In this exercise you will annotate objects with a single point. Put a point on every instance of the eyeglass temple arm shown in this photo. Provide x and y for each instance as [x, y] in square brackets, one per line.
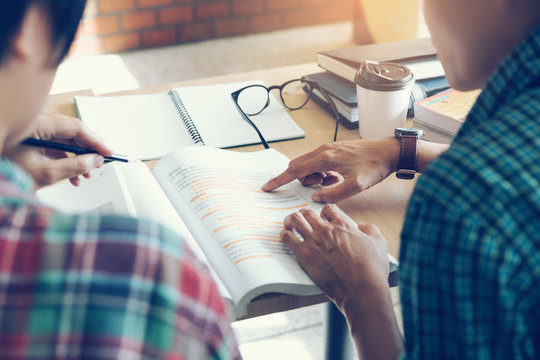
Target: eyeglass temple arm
[248, 120]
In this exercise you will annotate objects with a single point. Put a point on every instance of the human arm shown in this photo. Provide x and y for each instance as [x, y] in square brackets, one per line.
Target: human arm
[426, 152]
[351, 166]
[50, 166]
[349, 263]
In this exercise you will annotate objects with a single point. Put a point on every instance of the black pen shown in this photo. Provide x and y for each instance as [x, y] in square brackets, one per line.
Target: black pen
[70, 148]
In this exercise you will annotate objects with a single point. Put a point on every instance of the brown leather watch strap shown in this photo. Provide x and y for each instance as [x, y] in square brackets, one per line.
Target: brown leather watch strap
[407, 157]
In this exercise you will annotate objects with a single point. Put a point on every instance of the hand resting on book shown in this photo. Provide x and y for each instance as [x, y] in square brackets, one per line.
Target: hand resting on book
[335, 252]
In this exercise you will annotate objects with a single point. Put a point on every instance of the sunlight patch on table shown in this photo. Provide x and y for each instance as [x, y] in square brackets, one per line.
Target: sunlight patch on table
[100, 73]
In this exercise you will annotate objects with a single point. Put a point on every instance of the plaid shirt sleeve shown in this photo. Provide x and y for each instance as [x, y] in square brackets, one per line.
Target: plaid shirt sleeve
[102, 287]
[470, 255]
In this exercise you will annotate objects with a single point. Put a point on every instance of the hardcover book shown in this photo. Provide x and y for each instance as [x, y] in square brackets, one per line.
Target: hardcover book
[418, 54]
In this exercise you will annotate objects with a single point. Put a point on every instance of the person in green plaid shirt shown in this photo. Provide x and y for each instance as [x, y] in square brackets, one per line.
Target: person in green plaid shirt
[470, 246]
[84, 286]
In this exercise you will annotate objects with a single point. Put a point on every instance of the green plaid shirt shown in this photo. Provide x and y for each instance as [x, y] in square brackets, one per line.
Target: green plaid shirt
[470, 254]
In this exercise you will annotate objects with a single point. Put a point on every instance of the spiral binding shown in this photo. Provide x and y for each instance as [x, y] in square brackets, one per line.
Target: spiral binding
[186, 118]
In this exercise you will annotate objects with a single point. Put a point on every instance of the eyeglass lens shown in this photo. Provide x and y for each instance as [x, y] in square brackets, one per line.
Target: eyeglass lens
[293, 94]
[254, 99]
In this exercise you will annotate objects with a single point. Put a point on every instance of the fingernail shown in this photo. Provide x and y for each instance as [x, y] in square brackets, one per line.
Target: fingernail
[316, 197]
[97, 160]
[265, 187]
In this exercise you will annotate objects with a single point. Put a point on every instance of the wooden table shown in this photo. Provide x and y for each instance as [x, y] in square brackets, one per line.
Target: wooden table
[383, 205]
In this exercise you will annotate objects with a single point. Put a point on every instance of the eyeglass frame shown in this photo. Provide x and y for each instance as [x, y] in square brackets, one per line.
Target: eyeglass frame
[312, 85]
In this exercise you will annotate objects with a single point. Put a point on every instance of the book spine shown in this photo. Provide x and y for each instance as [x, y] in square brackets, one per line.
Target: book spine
[186, 118]
[347, 121]
[425, 88]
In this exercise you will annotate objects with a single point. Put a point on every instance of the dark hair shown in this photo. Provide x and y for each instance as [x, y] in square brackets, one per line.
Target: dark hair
[63, 16]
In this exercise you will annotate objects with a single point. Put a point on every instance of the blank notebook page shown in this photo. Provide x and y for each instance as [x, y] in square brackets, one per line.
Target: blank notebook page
[139, 126]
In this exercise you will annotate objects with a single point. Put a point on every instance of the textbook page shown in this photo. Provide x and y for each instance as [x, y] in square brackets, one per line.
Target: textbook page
[237, 225]
[127, 189]
[104, 193]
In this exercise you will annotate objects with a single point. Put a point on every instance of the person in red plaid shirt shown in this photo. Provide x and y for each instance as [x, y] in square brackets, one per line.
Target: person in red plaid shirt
[83, 286]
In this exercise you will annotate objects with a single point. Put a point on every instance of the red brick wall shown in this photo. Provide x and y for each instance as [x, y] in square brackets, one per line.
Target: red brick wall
[120, 25]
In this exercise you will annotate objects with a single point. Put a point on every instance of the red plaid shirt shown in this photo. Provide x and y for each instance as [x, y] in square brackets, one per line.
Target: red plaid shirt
[103, 287]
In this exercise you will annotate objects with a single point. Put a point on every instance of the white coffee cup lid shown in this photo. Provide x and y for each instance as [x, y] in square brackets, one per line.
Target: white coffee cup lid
[383, 76]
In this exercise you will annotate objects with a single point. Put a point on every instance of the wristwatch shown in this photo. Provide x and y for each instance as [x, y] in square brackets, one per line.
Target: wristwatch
[407, 158]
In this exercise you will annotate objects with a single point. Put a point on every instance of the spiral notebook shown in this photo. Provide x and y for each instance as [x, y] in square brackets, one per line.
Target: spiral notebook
[152, 125]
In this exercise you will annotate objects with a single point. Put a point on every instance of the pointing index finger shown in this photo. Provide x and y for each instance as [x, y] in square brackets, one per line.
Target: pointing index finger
[298, 168]
[280, 180]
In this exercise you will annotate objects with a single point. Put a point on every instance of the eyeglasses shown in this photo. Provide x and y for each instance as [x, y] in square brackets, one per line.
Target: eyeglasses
[294, 94]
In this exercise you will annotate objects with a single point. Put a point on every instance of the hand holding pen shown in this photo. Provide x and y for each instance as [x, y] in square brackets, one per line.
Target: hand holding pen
[77, 150]
[50, 166]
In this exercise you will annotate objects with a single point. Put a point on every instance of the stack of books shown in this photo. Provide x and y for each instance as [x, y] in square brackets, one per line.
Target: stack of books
[341, 65]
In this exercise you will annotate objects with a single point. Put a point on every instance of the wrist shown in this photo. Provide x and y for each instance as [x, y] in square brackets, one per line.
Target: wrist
[427, 152]
[392, 148]
[373, 324]
[363, 297]
[408, 138]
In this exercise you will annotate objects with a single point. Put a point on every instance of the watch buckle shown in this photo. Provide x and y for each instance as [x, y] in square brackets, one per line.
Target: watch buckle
[405, 174]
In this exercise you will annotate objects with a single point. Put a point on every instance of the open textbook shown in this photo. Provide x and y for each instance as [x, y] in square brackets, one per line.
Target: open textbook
[212, 198]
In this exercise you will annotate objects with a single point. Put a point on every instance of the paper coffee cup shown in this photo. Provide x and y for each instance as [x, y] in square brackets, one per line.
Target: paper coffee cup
[383, 91]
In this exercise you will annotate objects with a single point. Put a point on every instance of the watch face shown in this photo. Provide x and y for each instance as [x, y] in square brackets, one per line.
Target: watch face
[398, 132]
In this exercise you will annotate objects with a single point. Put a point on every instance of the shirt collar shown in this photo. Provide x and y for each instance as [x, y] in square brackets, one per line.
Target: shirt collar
[517, 72]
